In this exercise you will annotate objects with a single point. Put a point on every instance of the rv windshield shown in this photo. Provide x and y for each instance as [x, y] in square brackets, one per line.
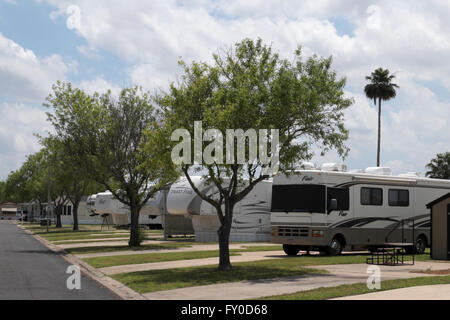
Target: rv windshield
[298, 198]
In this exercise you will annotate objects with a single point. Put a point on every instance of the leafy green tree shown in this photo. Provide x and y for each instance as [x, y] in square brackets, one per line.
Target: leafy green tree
[439, 167]
[16, 187]
[69, 177]
[2, 191]
[74, 179]
[381, 88]
[107, 132]
[30, 182]
[251, 87]
[59, 179]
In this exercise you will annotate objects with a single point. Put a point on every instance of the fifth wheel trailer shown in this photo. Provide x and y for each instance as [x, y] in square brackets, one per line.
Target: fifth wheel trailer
[153, 213]
[251, 216]
[331, 210]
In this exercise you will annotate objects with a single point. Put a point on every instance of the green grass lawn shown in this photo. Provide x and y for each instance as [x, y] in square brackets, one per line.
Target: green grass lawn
[86, 237]
[102, 249]
[101, 262]
[90, 241]
[360, 288]
[66, 228]
[157, 280]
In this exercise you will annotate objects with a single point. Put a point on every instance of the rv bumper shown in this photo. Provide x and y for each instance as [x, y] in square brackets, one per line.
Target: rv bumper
[302, 236]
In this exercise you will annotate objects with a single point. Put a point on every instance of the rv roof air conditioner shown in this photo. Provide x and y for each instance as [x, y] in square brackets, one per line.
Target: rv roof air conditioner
[307, 166]
[339, 167]
[382, 171]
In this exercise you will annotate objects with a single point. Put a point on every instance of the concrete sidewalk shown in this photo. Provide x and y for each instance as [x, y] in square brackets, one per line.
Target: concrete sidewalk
[194, 247]
[247, 257]
[103, 244]
[116, 238]
[388, 272]
[435, 292]
[82, 241]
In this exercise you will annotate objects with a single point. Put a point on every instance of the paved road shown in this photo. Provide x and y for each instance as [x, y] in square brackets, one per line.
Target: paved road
[30, 271]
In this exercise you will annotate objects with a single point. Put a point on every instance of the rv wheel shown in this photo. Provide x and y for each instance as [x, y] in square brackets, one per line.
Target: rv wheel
[419, 247]
[290, 250]
[335, 247]
[421, 244]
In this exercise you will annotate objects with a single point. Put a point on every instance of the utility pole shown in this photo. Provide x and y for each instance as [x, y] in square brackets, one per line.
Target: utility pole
[48, 196]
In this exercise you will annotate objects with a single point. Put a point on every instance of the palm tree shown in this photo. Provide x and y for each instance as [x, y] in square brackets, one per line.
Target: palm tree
[439, 167]
[381, 88]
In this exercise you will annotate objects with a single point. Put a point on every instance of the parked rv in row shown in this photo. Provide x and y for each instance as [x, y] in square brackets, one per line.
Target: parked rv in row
[327, 209]
[331, 209]
[251, 216]
[153, 214]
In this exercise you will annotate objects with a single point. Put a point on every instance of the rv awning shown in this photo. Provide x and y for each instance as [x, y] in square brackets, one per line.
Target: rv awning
[379, 181]
[9, 210]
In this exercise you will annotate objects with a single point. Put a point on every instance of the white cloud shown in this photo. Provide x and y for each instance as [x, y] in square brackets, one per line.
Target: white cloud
[18, 123]
[410, 38]
[89, 53]
[99, 85]
[26, 77]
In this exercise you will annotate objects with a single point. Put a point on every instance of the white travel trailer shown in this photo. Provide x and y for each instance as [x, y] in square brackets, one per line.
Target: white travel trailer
[153, 214]
[330, 209]
[156, 208]
[90, 204]
[251, 216]
[106, 203]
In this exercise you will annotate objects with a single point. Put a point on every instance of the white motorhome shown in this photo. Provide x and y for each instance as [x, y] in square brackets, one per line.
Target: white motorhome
[331, 209]
[251, 216]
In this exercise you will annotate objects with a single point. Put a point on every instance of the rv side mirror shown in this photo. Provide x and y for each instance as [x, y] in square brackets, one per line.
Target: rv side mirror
[333, 205]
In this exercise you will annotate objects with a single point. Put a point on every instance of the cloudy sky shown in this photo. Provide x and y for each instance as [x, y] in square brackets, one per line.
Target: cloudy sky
[114, 43]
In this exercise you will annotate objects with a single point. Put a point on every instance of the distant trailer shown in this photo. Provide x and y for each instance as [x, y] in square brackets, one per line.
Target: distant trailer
[331, 210]
[153, 213]
[251, 216]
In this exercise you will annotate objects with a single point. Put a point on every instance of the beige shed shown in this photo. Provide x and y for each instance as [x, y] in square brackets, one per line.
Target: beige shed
[440, 228]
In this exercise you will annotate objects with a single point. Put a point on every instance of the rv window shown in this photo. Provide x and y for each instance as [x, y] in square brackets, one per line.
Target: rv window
[398, 198]
[371, 196]
[298, 198]
[342, 197]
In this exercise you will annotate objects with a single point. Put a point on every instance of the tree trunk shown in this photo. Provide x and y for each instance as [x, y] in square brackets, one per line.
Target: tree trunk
[224, 239]
[135, 240]
[379, 132]
[41, 209]
[58, 217]
[75, 215]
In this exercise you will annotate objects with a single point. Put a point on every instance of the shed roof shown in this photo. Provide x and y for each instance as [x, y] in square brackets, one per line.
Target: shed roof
[444, 197]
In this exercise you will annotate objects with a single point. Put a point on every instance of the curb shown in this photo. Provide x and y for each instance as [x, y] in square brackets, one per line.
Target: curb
[118, 288]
